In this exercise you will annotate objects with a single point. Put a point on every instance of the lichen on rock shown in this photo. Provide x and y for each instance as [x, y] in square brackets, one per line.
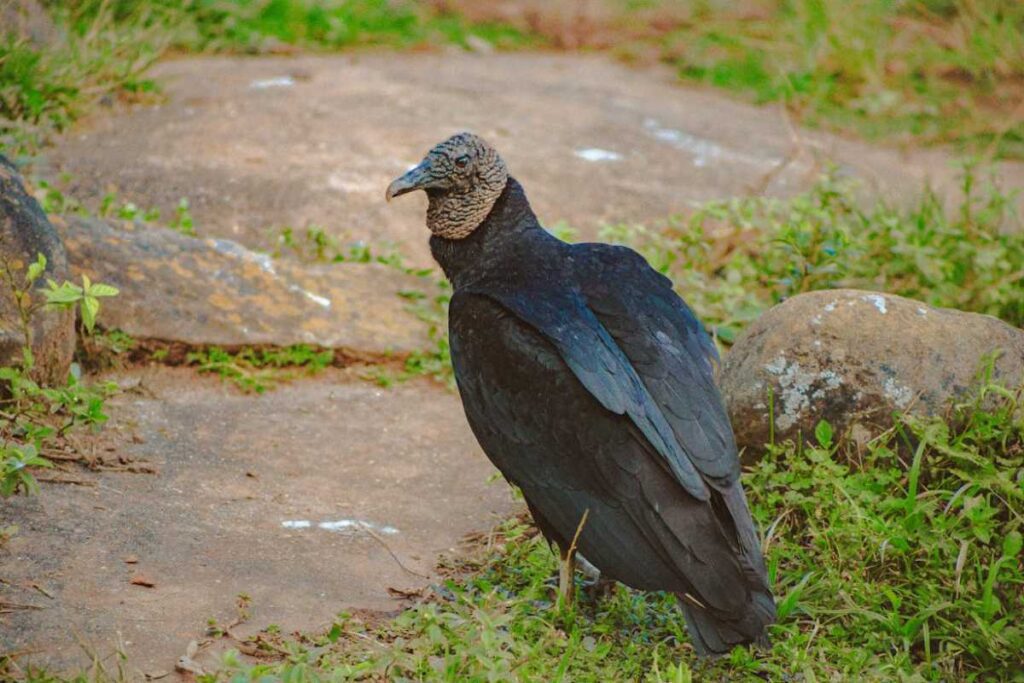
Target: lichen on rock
[854, 359]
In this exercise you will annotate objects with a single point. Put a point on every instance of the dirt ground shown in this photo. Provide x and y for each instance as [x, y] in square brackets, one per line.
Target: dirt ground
[297, 498]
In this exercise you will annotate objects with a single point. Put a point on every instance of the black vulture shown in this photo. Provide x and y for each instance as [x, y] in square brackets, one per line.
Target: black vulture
[590, 384]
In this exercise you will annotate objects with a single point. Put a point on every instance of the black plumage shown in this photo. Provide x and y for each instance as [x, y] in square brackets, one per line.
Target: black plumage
[589, 383]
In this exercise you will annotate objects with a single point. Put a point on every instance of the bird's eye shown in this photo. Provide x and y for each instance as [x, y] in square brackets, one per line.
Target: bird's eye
[462, 161]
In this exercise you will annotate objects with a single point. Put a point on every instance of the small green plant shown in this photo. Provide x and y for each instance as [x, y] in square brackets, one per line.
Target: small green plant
[111, 206]
[85, 297]
[55, 201]
[33, 417]
[256, 370]
[182, 221]
[15, 462]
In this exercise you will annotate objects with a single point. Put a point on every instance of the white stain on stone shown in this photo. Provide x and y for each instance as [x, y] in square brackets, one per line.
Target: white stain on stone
[922, 311]
[238, 251]
[356, 525]
[877, 300]
[323, 301]
[276, 82]
[266, 264]
[829, 307]
[702, 150]
[596, 154]
[897, 393]
[796, 385]
[340, 525]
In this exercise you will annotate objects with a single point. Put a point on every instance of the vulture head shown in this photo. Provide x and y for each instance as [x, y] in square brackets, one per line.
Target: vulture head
[463, 177]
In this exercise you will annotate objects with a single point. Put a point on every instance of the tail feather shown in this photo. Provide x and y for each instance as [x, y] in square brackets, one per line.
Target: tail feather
[714, 635]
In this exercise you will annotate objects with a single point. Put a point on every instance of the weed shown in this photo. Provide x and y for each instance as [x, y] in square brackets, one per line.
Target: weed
[334, 24]
[101, 55]
[111, 206]
[256, 370]
[33, 417]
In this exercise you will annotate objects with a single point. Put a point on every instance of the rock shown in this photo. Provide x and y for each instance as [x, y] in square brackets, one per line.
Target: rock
[593, 141]
[213, 291]
[25, 233]
[854, 358]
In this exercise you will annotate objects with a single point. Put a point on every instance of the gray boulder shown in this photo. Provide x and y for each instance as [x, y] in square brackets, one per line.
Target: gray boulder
[212, 291]
[855, 358]
[25, 232]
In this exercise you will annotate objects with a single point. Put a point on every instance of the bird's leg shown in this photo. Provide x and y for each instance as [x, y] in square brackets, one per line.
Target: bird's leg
[595, 586]
[566, 570]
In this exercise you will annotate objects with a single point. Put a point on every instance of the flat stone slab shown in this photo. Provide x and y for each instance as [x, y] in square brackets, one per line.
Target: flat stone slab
[270, 496]
[216, 291]
[256, 144]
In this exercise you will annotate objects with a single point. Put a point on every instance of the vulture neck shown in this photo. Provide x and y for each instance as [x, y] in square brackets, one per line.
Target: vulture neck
[510, 224]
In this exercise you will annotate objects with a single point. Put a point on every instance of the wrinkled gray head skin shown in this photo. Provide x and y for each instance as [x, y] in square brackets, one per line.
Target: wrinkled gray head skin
[463, 177]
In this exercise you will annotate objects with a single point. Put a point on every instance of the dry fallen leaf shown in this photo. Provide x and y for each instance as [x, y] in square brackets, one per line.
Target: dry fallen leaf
[131, 559]
[143, 580]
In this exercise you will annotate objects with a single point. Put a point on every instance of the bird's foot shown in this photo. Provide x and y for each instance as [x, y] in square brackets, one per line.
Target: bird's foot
[592, 584]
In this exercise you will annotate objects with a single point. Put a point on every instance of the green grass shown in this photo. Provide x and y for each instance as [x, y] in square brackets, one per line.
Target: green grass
[54, 200]
[899, 561]
[932, 71]
[44, 89]
[332, 25]
[256, 370]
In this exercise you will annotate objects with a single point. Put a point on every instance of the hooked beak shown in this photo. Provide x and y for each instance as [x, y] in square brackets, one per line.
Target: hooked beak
[416, 178]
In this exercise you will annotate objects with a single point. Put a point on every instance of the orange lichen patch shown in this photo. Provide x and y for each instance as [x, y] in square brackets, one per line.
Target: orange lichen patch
[251, 269]
[177, 267]
[222, 301]
[316, 325]
[265, 303]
